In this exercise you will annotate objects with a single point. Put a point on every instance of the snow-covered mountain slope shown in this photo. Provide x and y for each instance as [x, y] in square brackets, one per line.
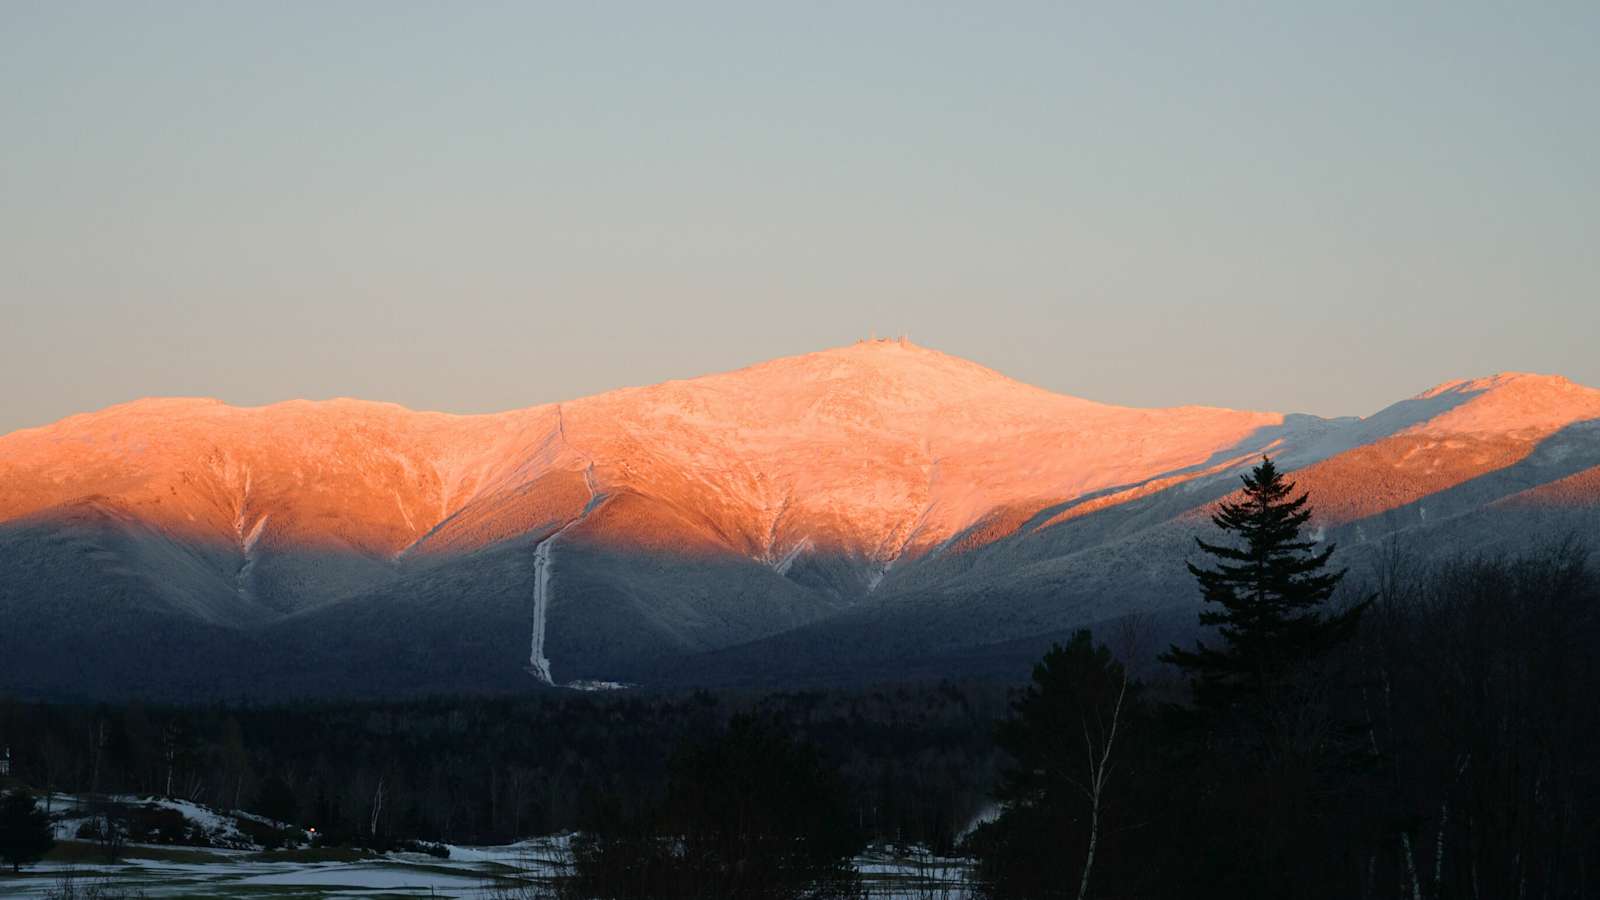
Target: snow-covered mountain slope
[879, 494]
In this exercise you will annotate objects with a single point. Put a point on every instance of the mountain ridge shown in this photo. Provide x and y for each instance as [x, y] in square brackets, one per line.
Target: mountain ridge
[881, 484]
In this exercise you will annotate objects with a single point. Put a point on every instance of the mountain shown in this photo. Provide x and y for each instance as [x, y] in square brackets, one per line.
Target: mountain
[866, 511]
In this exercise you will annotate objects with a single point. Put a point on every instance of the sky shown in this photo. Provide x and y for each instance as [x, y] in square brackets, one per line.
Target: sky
[470, 207]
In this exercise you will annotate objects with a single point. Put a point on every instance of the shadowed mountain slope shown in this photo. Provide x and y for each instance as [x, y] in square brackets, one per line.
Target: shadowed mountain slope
[803, 519]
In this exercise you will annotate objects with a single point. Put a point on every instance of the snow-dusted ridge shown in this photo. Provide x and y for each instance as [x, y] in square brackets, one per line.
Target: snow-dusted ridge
[723, 509]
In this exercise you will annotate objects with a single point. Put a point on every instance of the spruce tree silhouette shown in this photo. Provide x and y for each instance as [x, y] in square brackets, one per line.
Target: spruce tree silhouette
[1271, 591]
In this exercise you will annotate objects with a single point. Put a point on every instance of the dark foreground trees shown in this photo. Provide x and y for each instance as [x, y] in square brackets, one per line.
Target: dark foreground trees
[1268, 750]
[1484, 719]
[748, 812]
[1234, 791]
[1435, 742]
[475, 770]
[24, 830]
[1268, 597]
[1078, 740]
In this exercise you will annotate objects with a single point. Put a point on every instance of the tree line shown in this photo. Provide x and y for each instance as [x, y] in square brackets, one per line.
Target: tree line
[1418, 730]
[917, 759]
[1398, 729]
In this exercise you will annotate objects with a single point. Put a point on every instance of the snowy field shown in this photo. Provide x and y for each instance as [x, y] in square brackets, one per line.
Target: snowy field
[515, 871]
[208, 872]
[234, 867]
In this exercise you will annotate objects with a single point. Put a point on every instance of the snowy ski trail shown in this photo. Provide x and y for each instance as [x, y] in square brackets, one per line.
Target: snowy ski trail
[538, 663]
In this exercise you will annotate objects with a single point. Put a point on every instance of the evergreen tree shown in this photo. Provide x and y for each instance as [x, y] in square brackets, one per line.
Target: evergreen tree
[1271, 591]
[1075, 739]
[1257, 765]
[24, 830]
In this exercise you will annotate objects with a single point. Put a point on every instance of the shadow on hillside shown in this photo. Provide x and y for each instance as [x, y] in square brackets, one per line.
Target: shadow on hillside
[1300, 440]
[947, 624]
[1570, 450]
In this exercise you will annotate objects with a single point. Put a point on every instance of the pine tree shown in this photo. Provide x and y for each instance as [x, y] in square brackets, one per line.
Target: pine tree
[24, 830]
[1072, 736]
[1271, 591]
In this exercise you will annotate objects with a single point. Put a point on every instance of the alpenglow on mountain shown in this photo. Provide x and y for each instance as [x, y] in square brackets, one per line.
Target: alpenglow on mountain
[873, 511]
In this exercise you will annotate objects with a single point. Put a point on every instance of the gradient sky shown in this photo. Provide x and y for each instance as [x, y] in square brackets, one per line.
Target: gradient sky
[478, 207]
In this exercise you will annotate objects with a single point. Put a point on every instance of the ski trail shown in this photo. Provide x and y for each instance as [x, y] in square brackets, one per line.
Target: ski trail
[247, 546]
[247, 539]
[782, 566]
[538, 663]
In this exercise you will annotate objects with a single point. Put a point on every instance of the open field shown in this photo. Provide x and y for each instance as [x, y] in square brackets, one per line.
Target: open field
[522, 870]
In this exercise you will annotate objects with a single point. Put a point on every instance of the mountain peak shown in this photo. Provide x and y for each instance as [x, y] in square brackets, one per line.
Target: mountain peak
[883, 356]
[1509, 402]
[706, 513]
[1497, 381]
[878, 385]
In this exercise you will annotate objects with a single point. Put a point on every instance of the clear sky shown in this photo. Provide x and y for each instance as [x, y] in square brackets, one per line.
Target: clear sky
[1304, 207]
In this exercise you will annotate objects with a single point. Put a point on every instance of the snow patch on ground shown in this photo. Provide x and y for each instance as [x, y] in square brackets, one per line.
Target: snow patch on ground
[69, 812]
[254, 534]
[783, 565]
[591, 685]
[367, 876]
[888, 871]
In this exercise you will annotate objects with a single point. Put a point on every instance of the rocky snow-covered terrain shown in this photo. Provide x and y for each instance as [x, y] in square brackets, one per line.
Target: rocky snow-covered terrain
[873, 510]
